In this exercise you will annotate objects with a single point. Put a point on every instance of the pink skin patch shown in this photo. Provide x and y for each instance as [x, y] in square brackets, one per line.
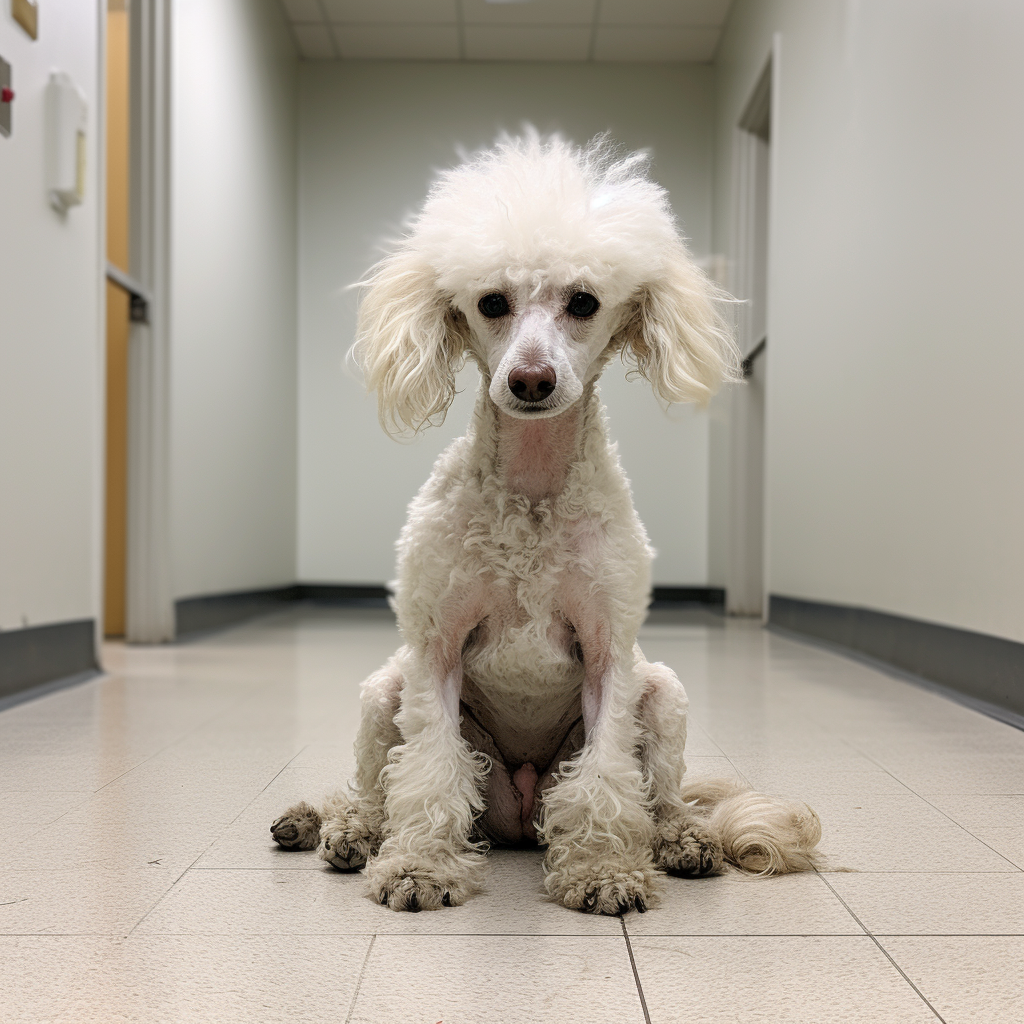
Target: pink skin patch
[535, 456]
[525, 780]
[459, 617]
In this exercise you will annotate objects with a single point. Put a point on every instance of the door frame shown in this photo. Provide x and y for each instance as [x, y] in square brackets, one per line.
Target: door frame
[149, 606]
[762, 106]
[149, 600]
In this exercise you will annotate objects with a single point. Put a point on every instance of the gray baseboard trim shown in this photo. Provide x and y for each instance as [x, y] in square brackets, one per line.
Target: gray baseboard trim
[39, 655]
[673, 597]
[43, 689]
[359, 595]
[196, 616]
[987, 671]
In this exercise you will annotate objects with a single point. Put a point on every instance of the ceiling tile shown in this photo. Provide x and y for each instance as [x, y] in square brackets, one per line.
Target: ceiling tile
[656, 44]
[533, 12]
[522, 43]
[375, 12]
[314, 42]
[397, 42]
[303, 10]
[664, 12]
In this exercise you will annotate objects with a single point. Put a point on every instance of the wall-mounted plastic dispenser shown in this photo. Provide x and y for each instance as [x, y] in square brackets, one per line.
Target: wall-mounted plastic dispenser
[66, 112]
[6, 96]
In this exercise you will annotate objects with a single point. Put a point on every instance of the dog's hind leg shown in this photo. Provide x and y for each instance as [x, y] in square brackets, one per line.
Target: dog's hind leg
[346, 826]
[353, 820]
[684, 842]
[700, 825]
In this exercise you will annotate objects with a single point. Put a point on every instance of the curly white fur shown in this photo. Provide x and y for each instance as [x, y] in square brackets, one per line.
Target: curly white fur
[520, 707]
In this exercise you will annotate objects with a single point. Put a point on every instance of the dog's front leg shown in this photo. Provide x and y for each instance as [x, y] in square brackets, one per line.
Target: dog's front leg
[595, 820]
[432, 789]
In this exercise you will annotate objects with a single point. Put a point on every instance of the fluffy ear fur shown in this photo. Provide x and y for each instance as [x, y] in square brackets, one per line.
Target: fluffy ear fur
[677, 336]
[410, 343]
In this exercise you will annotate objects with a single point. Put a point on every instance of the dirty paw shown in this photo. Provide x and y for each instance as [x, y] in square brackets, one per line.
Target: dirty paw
[687, 848]
[616, 893]
[418, 891]
[298, 828]
[342, 850]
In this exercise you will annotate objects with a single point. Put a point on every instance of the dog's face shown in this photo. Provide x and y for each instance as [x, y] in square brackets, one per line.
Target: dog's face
[541, 345]
[539, 260]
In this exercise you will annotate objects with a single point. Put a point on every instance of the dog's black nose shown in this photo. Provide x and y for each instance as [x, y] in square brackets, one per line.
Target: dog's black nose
[532, 383]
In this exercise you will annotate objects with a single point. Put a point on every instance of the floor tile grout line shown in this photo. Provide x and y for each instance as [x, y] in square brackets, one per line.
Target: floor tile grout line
[636, 973]
[885, 952]
[743, 778]
[721, 749]
[948, 817]
[732, 764]
[207, 848]
[359, 980]
[434, 936]
[825, 871]
[277, 775]
[138, 764]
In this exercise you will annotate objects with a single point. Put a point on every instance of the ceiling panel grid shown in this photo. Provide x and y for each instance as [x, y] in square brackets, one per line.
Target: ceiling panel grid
[484, 30]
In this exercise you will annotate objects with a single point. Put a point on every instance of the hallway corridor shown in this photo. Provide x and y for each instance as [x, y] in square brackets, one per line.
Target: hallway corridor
[138, 880]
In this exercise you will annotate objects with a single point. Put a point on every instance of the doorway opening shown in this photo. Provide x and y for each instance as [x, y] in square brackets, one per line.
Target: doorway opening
[745, 590]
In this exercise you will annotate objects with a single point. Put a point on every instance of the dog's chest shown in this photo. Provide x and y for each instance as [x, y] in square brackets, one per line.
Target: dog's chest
[522, 662]
[522, 680]
[522, 550]
[522, 653]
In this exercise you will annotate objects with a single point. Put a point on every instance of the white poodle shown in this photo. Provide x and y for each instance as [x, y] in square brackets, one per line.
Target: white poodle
[520, 708]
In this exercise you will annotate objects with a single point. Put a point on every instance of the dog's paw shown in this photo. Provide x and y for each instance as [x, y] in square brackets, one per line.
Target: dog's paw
[688, 848]
[418, 891]
[406, 882]
[611, 893]
[298, 828]
[342, 849]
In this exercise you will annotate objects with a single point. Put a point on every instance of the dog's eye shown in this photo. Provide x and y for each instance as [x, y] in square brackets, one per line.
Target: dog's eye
[493, 305]
[582, 305]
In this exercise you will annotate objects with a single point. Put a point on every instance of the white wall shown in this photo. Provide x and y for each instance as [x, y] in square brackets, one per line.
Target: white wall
[50, 341]
[233, 320]
[371, 136]
[895, 419]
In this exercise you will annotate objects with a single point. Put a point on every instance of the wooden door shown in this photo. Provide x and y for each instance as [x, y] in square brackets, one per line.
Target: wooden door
[118, 321]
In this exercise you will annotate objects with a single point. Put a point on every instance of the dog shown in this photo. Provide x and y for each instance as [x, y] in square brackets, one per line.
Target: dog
[520, 708]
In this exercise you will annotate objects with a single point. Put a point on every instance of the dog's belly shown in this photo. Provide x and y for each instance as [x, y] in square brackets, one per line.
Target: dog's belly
[514, 790]
[522, 708]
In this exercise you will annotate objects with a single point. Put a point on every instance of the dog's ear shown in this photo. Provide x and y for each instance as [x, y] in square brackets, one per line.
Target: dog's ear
[410, 343]
[676, 334]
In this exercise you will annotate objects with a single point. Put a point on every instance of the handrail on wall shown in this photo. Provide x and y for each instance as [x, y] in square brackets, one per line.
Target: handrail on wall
[139, 294]
[747, 366]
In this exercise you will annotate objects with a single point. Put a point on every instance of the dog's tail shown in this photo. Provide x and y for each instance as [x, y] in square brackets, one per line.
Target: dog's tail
[761, 835]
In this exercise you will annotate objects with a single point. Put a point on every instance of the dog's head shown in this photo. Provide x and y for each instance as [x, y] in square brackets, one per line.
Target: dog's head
[539, 260]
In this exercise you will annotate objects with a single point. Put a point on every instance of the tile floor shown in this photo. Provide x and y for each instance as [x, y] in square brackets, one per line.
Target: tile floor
[139, 883]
